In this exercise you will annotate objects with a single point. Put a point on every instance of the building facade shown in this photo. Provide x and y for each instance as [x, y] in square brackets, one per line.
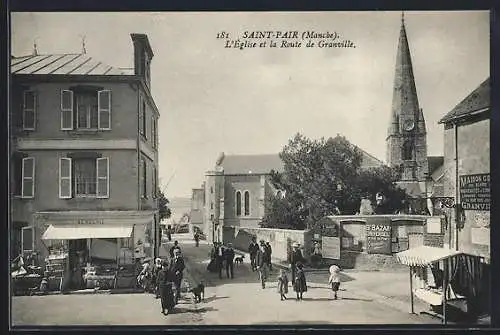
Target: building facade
[467, 172]
[237, 188]
[83, 155]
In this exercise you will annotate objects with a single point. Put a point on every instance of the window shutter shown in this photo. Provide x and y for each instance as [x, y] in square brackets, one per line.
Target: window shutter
[66, 110]
[104, 116]
[65, 191]
[29, 107]
[103, 177]
[28, 186]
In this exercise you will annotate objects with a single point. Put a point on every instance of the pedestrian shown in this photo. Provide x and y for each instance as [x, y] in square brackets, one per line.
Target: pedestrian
[282, 284]
[165, 289]
[261, 263]
[154, 276]
[269, 252]
[334, 279]
[196, 238]
[177, 267]
[175, 246]
[212, 266]
[294, 258]
[219, 258]
[169, 233]
[252, 250]
[143, 279]
[300, 285]
[229, 259]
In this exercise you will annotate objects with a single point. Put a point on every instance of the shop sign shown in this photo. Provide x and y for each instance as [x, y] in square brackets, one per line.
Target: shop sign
[475, 192]
[90, 221]
[378, 238]
[330, 247]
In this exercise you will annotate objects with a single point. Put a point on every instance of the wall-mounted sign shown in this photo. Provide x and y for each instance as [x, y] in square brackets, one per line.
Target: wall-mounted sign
[330, 247]
[378, 238]
[90, 221]
[475, 192]
[434, 225]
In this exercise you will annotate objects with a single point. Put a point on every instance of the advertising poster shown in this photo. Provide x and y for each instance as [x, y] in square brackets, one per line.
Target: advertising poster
[378, 238]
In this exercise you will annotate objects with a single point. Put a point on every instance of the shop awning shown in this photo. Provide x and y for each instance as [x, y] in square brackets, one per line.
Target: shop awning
[76, 232]
[424, 255]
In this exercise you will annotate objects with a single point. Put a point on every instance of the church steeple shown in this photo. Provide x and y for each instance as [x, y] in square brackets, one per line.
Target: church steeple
[406, 136]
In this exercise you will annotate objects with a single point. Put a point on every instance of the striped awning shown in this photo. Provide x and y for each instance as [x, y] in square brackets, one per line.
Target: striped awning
[75, 232]
[424, 255]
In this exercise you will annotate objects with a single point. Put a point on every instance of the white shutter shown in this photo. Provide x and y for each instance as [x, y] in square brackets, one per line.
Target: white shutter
[66, 110]
[28, 186]
[29, 107]
[102, 177]
[104, 115]
[65, 178]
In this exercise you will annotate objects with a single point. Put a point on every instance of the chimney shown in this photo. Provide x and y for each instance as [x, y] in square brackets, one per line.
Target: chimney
[143, 54]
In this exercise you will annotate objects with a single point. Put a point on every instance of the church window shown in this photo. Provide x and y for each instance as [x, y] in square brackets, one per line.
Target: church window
[407, 150]
[247, 203]
[238, 203]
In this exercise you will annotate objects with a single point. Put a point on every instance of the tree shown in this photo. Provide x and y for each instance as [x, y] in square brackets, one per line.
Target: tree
[163, 202]
[320, 176]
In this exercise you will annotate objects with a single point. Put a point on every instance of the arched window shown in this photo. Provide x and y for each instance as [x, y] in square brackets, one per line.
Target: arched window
[407, 150]
[247, 203]
[238, 203]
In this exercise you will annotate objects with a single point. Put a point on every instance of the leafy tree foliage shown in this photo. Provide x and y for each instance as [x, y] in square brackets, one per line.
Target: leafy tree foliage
[163, 202]
[321, 177]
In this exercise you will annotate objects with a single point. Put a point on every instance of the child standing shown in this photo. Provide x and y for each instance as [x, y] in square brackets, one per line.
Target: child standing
[334, 279]
[282, 284]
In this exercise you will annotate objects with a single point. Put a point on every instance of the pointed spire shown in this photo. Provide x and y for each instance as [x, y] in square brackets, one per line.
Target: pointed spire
[403, 17]
[35, 50]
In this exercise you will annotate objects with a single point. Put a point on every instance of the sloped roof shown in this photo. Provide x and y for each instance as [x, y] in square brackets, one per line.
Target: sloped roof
[63, 64]
[434, 163]
[478, 100]
[369, 161]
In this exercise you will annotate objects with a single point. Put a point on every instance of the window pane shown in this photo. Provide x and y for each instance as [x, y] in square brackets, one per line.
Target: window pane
[238, 203]
[93, 117]
[29, 100]
[85, 176]
[28, 188]
[29, 119]
[247, 203]
[67, 122]
[27, 239]
[28, 167]
[17, 173]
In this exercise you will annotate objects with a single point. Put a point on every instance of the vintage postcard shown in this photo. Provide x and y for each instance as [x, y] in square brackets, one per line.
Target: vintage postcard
[249, 168]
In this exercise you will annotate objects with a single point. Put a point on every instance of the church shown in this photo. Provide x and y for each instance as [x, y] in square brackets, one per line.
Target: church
[421, 175]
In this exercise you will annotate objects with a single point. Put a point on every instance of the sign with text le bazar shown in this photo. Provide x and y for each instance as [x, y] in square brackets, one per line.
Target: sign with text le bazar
[378, 237]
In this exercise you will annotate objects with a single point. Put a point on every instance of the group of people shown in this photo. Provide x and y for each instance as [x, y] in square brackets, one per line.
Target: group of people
[222, 257]
[164, 279]
[264, 248]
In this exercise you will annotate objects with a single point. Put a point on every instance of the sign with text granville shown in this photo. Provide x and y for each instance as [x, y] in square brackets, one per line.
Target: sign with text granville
[475, 192]
[378, 238]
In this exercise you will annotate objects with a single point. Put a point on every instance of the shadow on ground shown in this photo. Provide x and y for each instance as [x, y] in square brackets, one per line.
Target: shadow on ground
[212, 298]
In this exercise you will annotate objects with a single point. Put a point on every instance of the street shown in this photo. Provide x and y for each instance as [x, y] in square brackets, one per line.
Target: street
[238, 301]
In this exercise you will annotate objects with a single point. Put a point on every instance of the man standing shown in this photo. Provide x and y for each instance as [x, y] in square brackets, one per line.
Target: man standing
[229, 258]
[261, 263]
[269, 252]
[176, 268]
[196, 238]
[165, 289]
[173, 248]
[294, 258]
[252, 250]
[219, 258]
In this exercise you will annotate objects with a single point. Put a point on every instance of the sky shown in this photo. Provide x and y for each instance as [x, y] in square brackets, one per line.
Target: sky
[214, 99]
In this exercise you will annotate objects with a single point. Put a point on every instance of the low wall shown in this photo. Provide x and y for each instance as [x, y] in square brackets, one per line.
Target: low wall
[281, 240]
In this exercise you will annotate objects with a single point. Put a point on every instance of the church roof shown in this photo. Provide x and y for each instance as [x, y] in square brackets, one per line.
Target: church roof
[63, 64]
[477, 101]
[263, 164]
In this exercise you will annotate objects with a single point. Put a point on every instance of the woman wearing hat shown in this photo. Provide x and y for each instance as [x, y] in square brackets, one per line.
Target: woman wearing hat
[300, 285]
[165, 289]
[156, 268]
[294, 258]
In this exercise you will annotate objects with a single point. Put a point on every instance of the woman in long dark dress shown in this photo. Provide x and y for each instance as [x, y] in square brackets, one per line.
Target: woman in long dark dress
[300, 285]
[165, 289]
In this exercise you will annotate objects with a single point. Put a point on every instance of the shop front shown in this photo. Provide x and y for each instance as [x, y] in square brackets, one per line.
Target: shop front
[94, 249]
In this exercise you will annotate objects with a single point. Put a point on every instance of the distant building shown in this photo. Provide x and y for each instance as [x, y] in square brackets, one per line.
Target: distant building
[407, 135]
[237, 188]
[467, 164]
[84, 157]
[197, 207]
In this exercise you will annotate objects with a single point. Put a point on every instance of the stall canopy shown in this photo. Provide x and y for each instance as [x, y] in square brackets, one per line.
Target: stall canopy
[424, 255]
[76, 232]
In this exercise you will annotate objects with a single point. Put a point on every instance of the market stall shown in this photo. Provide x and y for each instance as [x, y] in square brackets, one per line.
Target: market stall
[443, 278]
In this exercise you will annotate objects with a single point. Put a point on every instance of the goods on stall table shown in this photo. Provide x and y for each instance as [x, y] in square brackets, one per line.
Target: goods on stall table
[54, 266]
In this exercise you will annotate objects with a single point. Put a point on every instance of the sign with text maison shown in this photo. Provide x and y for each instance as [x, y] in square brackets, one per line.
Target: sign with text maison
[475, 192]
[378, 237]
